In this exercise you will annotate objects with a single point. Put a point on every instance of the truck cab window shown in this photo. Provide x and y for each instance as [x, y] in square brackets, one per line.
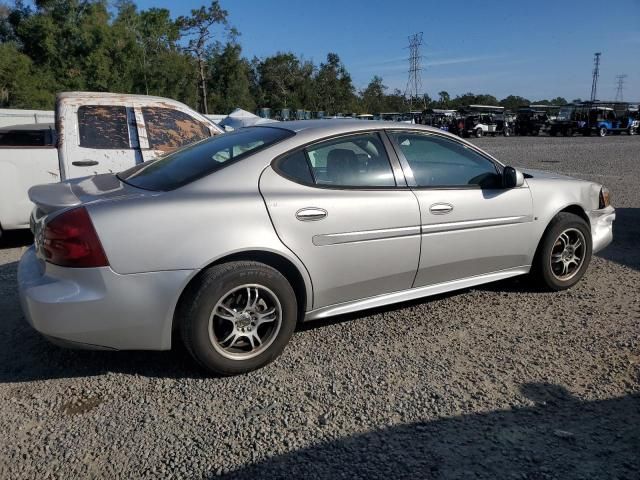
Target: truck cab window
[103, 126]
[168, 129]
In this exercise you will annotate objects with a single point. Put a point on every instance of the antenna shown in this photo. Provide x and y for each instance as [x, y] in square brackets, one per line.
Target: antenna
[414, 82]
[620, 85]
[596, 74]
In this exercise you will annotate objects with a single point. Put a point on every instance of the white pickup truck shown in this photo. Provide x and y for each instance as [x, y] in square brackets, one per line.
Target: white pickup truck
[93, 133]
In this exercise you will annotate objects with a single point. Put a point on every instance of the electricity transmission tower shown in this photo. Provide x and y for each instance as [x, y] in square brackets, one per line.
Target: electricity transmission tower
[620, 85]
[414, 82]
[596, 74]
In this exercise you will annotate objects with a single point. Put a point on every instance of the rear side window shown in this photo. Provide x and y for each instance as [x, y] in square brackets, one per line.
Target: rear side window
[168, 129]
[103, 126]
[18, 137]
[196, 161]
[358, 161]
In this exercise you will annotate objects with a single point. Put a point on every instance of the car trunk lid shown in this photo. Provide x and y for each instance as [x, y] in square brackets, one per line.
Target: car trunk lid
[56, 196]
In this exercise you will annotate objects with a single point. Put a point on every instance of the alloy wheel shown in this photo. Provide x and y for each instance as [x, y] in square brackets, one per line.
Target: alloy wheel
[567, 254]
[245, 322]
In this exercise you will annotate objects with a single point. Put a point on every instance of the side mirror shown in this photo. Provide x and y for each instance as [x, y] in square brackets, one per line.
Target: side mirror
[512, 178]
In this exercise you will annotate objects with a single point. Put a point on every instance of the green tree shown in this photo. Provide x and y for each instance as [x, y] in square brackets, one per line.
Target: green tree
[20, 85]
[512, 102]
[230, 81]
[334, 86]
[373, 97]
[199, 29]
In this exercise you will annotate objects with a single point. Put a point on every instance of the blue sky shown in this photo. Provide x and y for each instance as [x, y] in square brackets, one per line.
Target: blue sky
[535, 49]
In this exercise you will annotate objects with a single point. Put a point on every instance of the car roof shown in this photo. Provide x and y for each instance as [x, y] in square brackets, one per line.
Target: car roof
[324, 127]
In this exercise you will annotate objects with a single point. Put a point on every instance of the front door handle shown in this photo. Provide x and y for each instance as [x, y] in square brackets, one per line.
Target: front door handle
[310, 214]
[440, 208]
[84, 163]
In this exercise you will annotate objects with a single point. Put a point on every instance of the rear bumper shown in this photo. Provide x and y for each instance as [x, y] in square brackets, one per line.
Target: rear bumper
[602, 227]
[97, 308]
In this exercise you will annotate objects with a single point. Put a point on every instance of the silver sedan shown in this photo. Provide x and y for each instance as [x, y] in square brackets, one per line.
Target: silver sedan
[234, 240]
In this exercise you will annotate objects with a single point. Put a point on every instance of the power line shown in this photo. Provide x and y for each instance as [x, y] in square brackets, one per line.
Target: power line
[596, 74]
[414, 82]
[620, 85]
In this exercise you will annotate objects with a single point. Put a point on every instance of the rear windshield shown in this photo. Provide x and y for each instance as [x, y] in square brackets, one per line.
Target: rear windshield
[190, 163]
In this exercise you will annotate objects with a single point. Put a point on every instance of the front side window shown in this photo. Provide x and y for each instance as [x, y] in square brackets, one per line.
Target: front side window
[196, 161]
[439, 162]
[168, 129]
[103, 126]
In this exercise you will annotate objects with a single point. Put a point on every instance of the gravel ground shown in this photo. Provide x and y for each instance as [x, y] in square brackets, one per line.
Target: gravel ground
[500, 381]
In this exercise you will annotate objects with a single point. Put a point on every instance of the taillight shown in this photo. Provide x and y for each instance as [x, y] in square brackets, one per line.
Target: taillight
[70, 240]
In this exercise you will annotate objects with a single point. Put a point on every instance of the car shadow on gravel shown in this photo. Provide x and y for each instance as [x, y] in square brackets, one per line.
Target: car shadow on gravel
[625, 248]
[559, 437]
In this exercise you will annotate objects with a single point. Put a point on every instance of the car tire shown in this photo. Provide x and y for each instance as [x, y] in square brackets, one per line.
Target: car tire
[602, 131]
[226, 313]
[553, 255]
[478, 132]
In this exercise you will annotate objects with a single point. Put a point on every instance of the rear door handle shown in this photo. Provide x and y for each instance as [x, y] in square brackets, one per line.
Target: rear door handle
[310, 214]
[84, 163]
[440, 208]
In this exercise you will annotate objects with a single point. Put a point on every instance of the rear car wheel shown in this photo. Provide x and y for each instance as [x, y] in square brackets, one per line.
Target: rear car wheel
[238, 317]
[564, 252]
[478, 132]
[602, 131]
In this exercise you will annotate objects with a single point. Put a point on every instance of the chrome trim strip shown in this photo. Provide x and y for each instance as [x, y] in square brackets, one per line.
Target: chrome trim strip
[412, 293]
[469, 224]
[365, 235]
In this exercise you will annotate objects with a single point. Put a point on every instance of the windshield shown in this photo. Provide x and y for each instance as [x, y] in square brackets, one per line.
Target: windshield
[188, 164]
[565, 113]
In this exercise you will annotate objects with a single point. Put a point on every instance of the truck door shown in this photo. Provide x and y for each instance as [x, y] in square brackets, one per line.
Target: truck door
[97, 139]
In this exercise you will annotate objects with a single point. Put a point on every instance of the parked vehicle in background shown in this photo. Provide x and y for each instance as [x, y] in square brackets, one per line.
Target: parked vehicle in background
[271, 225]
[388, 116]
[444, 119]
[604, 118]
[570, 119]
[599, 118]
[482, 120]
[94, 133]
[534, 119]
[12, 116]
[365, 116]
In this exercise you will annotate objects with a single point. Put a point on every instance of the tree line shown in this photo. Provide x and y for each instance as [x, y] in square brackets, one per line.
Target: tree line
[63, 45]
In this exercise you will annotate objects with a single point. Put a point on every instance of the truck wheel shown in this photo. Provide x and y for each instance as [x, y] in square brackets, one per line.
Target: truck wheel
[564, 252]
[238, 317]
[602, 131]
[478, 132]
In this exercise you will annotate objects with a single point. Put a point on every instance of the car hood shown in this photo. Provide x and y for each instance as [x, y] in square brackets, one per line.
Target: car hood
[545, 174]
[55, 196]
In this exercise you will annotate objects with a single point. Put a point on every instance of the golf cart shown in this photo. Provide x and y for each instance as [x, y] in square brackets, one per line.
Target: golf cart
[482, 120]
[534, 119]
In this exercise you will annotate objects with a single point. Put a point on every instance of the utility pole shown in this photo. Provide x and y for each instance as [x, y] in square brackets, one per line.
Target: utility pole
[414, 82]
[620, 85]
[596, 74]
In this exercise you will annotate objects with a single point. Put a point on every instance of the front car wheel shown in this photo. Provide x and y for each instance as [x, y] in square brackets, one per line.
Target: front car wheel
[564, 252]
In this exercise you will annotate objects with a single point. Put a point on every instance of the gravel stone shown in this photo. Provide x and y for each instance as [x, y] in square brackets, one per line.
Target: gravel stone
[498, 381]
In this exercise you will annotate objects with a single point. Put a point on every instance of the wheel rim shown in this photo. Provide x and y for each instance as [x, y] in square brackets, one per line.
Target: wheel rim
[567, 254]
[603, 132]
[245, 322]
